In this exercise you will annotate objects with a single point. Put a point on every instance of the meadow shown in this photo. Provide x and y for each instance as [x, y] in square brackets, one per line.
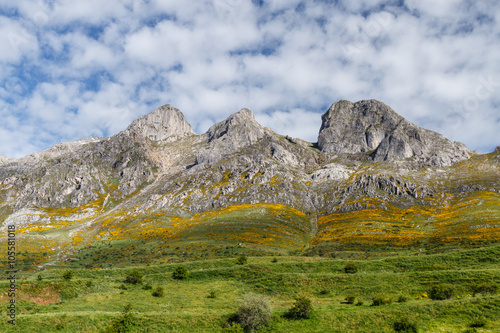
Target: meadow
[99, 299]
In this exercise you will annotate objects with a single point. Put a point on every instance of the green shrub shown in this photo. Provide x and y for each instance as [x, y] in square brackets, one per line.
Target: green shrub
[39, 277]
[359, 303]
[471, 330]
[478, 322]
[484, 288]
[180, 273]
[158, 292]
[441, 291]
[232, 327]
[301, 309]
[242, 260]
[350, 299]
[89, 284]
[147, 286]
[405, 325]
[274, 260]
[254, 313]
[324, 292]
[402, 299]
[67, 275]
[377, 301]
[125, 323]
[122, 287]
[134, 277]
[211, 294]
[351, 268]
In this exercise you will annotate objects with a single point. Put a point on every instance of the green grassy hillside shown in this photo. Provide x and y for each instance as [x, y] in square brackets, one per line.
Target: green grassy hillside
[93, 299]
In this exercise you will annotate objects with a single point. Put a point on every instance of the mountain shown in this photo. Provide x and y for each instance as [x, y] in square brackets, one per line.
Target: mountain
[371, 126]
[372, 180]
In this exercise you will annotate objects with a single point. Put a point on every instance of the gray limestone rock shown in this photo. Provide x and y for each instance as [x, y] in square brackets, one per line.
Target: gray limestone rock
[238, 131]
[371, 126]
[164, 123]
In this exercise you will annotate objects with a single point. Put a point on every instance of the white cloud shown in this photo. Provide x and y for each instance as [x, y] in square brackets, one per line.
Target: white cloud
[16, 41]
[90, 68]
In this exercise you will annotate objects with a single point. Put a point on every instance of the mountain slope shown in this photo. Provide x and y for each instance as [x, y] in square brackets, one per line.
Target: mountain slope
[374, 180]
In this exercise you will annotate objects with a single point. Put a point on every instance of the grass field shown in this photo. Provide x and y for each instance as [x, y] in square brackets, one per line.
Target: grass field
[95, 298]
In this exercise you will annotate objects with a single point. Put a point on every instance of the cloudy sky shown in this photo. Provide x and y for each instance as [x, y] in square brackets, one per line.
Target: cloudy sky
[77, 68]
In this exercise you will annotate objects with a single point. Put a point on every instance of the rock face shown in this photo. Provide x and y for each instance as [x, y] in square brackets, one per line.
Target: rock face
[238, 131]
[158, 163]
[372, 126]
[164, 123]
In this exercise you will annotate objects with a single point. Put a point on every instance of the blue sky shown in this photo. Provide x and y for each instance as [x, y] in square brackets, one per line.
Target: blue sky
[73, 69]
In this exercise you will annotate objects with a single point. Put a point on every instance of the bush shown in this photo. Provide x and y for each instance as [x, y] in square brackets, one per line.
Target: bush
[274, 260]
[125, 323]
[350, 268]
[158, 292]
[377, 301]
[478, 322]
[471, 330]
[350, 299]
[484, 288]
[211, 294]
[68, 275]
[89, 284]
[254, 313]
[180, 273]
[147, 286]
[405, 325]
[324, 292]
[302, 308]
[242, 260]
[39, 277]
[402, 299]
[359, 303]
[122, 287]
[441, 291]
[134, 277]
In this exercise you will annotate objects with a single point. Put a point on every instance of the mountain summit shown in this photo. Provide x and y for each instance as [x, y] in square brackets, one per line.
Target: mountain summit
[371, 126]
[239, 130]
[164, 123]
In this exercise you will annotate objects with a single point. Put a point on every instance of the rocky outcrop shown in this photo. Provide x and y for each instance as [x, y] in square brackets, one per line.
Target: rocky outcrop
[238, 131]
[164, 123]
[370, 184]
[373, 127]
[4, 159]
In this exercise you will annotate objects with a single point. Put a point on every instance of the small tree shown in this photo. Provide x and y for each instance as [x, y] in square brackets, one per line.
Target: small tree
[302, 308]
[242, 260]
[254, 313]
[180, 273]
[39, 277]
[68, 275]
[134, 277]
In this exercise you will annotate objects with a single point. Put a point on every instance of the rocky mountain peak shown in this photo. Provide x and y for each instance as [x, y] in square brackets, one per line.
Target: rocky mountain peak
[239, 130]
[240, 126]
[164, 123]
[372, 126]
